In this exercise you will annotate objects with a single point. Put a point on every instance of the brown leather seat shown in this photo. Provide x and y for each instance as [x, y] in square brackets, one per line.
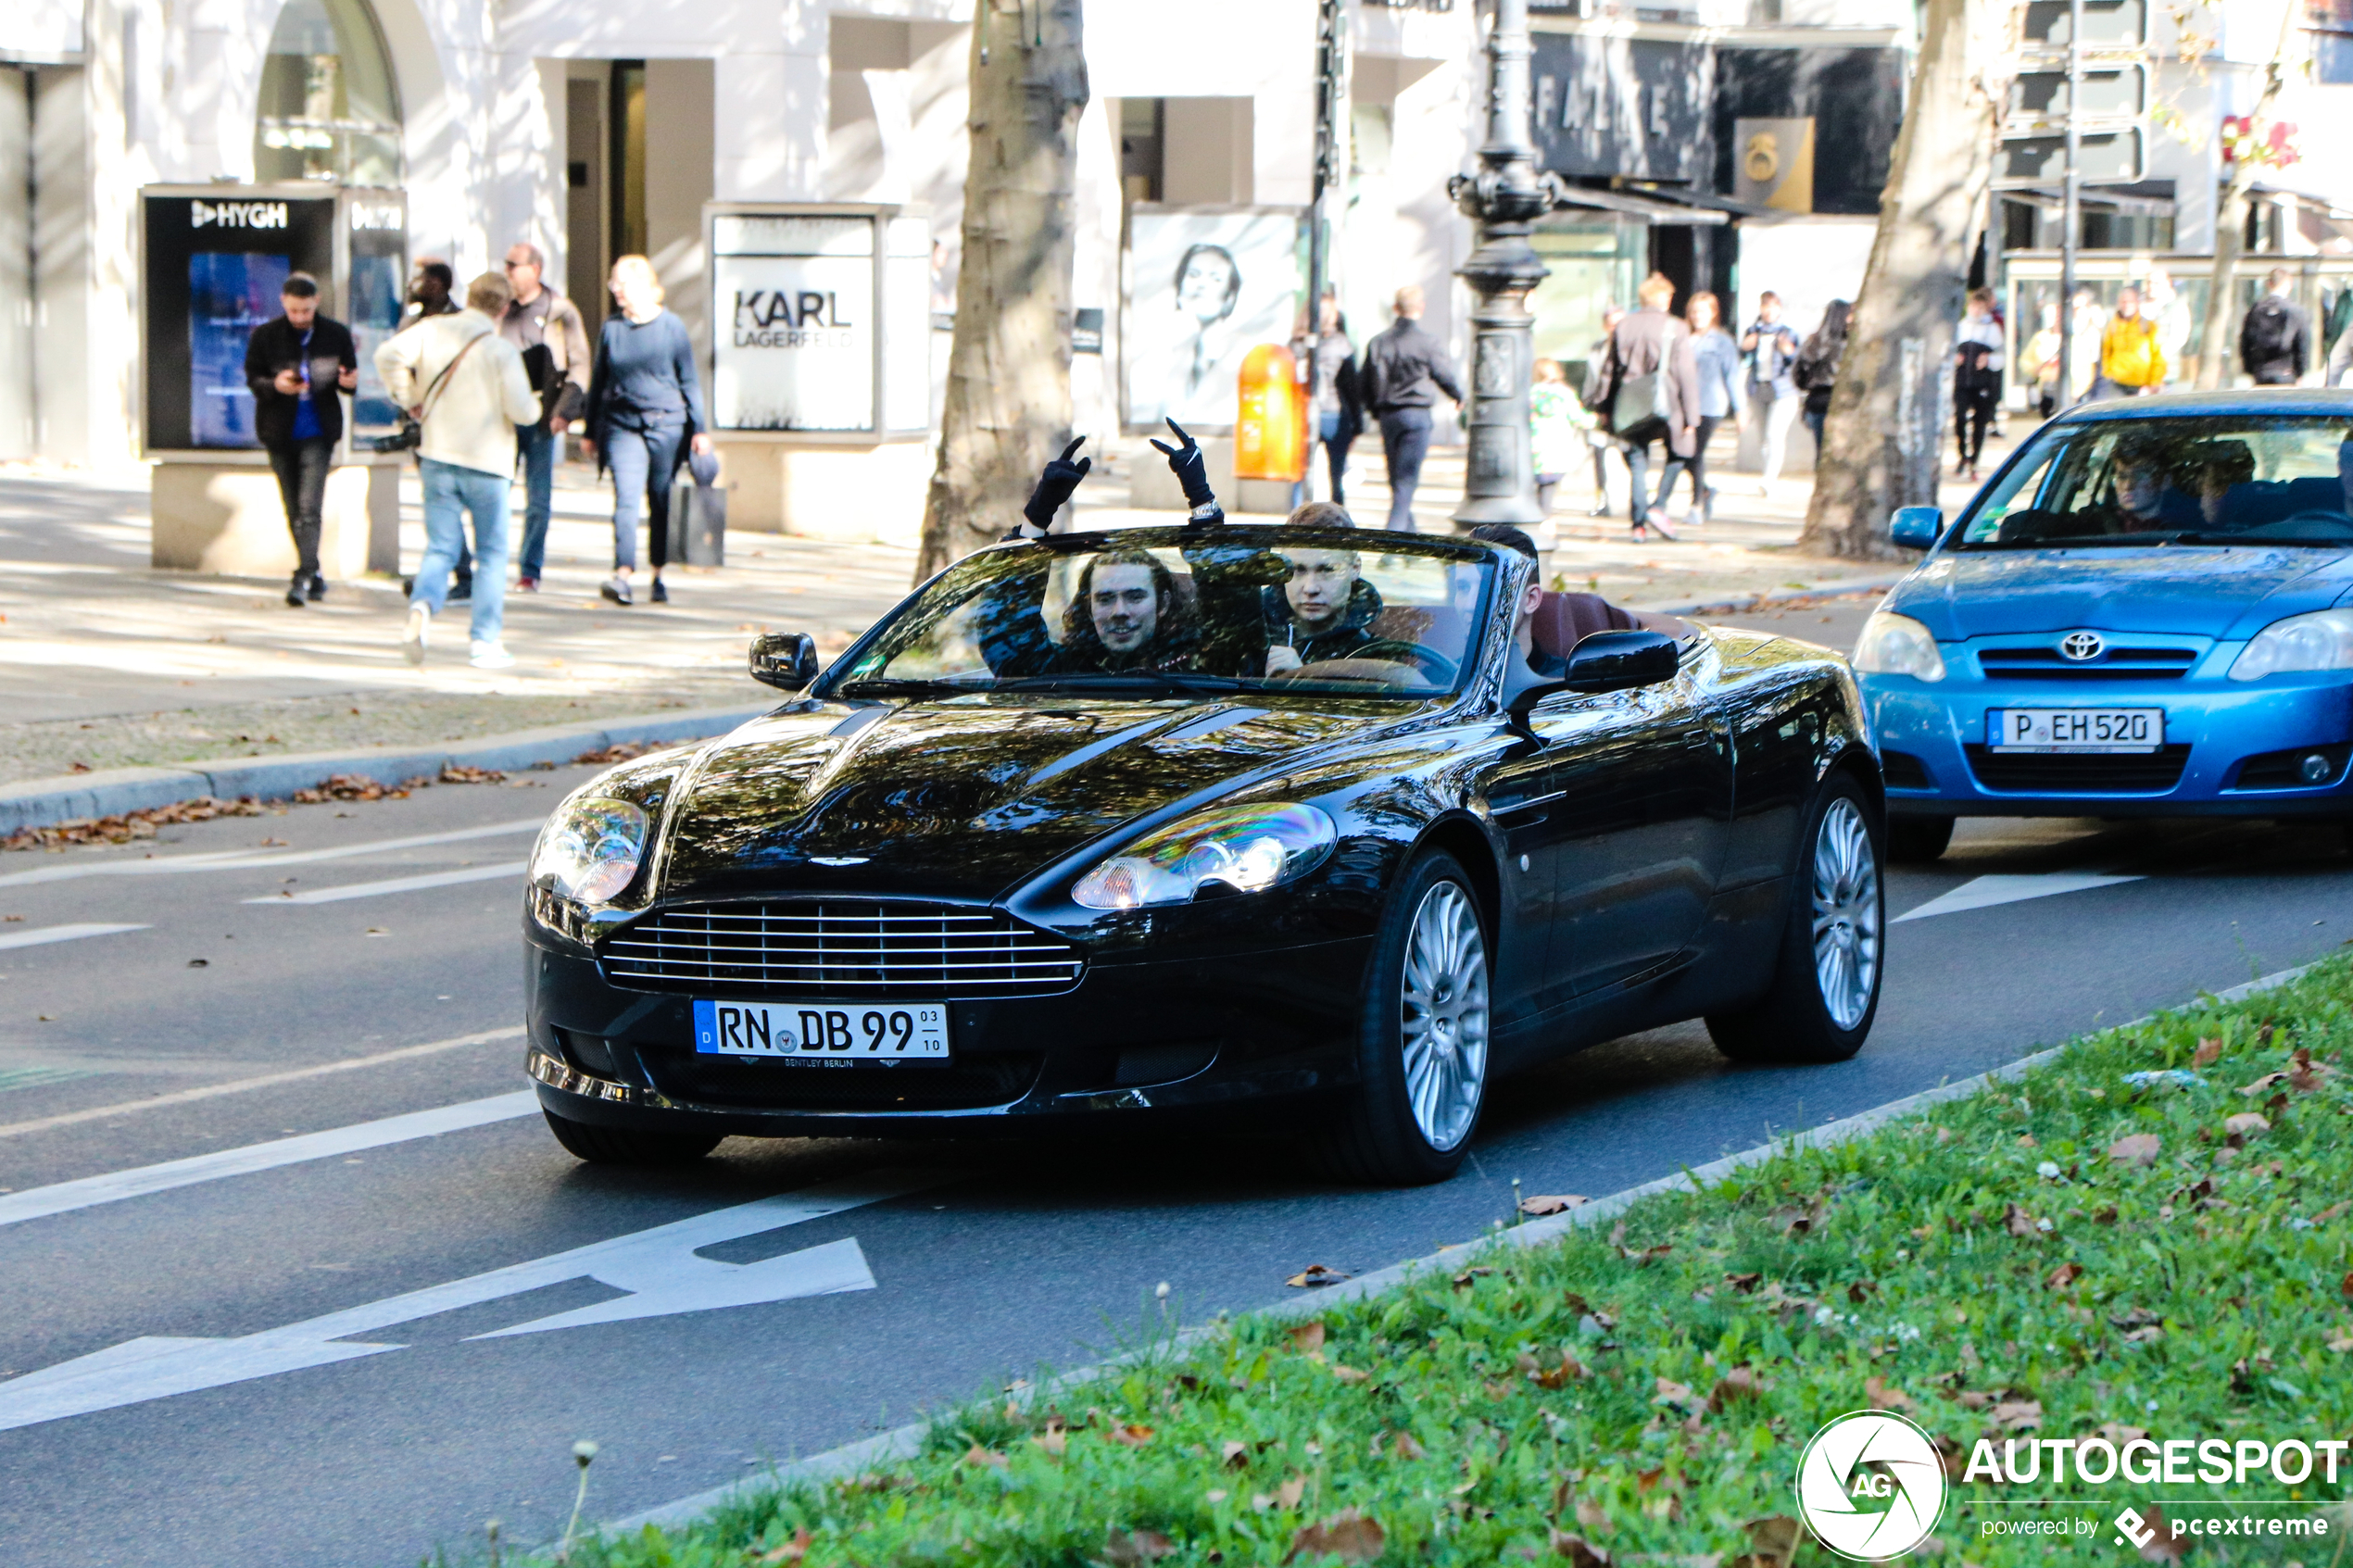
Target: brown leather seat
[1562, 620]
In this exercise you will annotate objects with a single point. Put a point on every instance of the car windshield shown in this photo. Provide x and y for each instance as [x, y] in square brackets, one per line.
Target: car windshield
[2208, 479]
[1187, 612]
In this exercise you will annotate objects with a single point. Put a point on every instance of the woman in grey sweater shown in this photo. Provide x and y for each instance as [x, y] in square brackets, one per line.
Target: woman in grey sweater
[645, 405]
[1721, 395]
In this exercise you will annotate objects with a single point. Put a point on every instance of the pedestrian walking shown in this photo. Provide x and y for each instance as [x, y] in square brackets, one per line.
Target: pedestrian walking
[1977, 381]
[430, 287]
[2132, 359]
[1557, 423]
[2086, 323]
[299, 364]
[2042, 361]
[645, 410]
[1335, 416]
[547, 329]
[1773, 396]
[2275, 340]
[1405, 369]
[1722, 396]
[1816, 369]
[1650, 392]
[1600, 440]
[466, 387]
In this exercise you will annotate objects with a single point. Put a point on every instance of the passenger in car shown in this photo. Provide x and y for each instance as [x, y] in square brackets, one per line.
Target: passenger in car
[1532, 600]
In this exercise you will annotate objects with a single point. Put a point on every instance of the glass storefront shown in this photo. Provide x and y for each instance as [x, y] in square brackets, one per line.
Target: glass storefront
[329, 109]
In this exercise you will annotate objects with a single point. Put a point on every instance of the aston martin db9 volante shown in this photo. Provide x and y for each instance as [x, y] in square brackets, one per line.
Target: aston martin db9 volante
[1164, 821]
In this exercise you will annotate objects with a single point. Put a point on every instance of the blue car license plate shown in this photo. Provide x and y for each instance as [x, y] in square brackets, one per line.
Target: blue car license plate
[825, 1033]
[2075, 729]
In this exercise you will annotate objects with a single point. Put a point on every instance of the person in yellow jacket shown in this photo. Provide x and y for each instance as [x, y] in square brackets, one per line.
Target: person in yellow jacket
[2132, 359]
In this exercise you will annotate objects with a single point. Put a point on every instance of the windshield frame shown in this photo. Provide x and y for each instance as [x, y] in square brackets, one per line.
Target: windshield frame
[827, 687]
[2087, 425]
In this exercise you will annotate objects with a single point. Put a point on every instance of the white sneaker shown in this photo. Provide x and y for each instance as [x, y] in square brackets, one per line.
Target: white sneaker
[491, 656]
[412, 636]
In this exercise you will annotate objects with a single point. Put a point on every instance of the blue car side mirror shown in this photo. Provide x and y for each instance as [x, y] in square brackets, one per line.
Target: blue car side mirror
[1915, 528]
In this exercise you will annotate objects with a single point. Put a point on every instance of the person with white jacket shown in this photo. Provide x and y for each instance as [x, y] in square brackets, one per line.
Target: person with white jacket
[467, 387]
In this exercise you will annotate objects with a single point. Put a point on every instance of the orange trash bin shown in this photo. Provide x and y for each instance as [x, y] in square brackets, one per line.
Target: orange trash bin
[1270, 431]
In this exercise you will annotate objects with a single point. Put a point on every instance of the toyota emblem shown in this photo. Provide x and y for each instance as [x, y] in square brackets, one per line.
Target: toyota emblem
[2081, 645]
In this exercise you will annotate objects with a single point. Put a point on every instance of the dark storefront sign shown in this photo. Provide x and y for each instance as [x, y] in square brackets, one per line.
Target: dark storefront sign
[1853, 96]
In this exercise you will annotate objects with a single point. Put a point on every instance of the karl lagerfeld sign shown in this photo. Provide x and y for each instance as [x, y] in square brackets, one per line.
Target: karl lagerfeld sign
[805, 307]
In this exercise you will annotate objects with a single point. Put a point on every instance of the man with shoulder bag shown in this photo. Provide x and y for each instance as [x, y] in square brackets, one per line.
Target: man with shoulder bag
[553, 339]
[467, 390]
[1649, 391]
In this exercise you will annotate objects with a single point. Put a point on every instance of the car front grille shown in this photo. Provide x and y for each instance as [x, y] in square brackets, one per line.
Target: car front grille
[2047, 773]
[838, 947]
[2114, 664]
[971, 1082]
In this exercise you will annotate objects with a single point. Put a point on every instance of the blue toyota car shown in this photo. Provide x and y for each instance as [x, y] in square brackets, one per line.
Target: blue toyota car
[2147, 611]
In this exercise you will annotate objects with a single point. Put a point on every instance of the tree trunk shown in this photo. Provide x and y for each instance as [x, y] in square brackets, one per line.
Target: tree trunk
[2230, 242]
[1885, 434]
[1007, 405]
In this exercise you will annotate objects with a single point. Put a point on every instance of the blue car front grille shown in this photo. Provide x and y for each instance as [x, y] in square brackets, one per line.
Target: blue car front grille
[2113, 664]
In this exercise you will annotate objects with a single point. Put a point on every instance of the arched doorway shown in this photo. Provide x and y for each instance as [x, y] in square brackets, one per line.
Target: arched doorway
[330, 105]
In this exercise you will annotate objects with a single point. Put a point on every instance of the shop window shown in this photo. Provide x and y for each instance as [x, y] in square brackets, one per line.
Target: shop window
[329, 108]
[2331, 22]
[1143, 135]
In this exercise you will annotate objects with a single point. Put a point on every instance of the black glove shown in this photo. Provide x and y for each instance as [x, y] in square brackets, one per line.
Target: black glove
[1055, 487]
[1185, 460]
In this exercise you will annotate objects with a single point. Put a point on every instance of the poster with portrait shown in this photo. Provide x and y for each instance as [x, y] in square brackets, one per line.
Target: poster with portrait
[1204, 288]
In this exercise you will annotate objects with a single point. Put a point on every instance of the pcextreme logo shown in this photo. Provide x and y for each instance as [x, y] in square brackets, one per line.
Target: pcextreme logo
[1870, 1486]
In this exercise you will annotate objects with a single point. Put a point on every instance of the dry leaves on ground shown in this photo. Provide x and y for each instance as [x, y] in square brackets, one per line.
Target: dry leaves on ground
[1881, 1398]
[128, 825]
[2019, 1415]
[2140, 1148]
[990, 1457]
[2063, 1277]
[1772, 1541]
[458, 772]
[2020, 1224]
[1349, 1536]
[2245, 1125]
[1314, 1275]
[792, 1550]
[1638, 1257]
[1551, 1203]
[2209, 1052]
[352, 786]
[626, 751]
[1579, 1551]
[1130, 1548]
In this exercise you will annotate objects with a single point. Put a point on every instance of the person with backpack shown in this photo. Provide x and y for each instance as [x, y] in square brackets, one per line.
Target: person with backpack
[1977, 381]
[2275, 340]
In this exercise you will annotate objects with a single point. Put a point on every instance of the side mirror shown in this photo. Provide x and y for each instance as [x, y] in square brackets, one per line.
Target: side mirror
[786, 660]
[1915, 528]
[1601, 661]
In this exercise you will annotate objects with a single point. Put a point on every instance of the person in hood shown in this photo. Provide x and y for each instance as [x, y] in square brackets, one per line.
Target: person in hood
[2275, 341]
[1325, 611]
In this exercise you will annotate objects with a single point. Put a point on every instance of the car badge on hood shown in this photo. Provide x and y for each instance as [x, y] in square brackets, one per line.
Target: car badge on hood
[2081, 645]
[837, 859]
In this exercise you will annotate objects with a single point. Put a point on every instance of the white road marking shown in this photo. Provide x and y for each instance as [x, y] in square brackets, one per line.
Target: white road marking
[88, 1193]
[658, 1267]
[260, 1081]
[248, 860]
[42, 935]
[1985, 892]
[400, 885]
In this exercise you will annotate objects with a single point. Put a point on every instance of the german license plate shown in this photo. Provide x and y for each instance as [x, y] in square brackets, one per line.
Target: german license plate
[2075, 729]
[823, 1033]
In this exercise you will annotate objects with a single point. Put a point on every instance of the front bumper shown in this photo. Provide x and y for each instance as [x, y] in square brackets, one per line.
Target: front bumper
[2232, 748]
[1160, 1036]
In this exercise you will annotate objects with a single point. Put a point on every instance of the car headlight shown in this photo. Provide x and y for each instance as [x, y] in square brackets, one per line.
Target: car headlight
[589, 850]
[1897, 644]
[1250, 848]
[2322, 640]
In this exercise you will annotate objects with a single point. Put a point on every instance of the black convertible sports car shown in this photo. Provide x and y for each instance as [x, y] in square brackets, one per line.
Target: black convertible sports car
[1168, 820]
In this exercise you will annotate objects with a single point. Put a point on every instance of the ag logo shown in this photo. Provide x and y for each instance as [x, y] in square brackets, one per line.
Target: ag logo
[1870, 1486]
[2081, 645]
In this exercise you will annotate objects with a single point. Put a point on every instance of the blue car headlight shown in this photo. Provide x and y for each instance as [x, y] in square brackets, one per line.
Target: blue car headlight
[2322, 640]
[589, 850]
[1897, 644]
[1250, 848]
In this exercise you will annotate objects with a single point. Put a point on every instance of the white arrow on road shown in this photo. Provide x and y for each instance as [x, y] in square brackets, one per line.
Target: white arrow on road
[1985, 892]
[657, 1267]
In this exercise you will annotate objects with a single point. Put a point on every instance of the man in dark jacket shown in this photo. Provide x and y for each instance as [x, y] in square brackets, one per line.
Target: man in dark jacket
[299, 366]
[1404, 371]
[2275, 341]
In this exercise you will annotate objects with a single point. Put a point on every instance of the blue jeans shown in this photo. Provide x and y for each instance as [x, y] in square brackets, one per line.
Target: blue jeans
[643, 462]
[536, 444]
[450, 490]
[1404, 436]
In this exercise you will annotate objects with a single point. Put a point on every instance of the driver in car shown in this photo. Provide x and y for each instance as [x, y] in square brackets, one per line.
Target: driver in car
[1325, 611]
[2139, 483]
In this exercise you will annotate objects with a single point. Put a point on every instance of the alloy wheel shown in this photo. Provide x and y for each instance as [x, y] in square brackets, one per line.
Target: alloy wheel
[1846, 913]
[1444, 1016]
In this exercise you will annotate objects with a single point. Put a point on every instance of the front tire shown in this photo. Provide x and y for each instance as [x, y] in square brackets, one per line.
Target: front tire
[1422, 1038]
[628, 1146]
[1826, 983]
[1915, 841]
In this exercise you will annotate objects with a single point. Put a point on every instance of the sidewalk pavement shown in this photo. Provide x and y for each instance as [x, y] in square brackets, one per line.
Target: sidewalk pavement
[106, 664]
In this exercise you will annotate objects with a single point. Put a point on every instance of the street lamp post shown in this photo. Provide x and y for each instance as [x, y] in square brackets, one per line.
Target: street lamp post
[1504, 198]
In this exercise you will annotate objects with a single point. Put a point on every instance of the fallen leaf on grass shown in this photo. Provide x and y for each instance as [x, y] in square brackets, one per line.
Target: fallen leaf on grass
[1349, 1374]
[1550, 1203]
[2344, 1288]
[2141, 1148]
[2245, 1125]
[2266, 1081]
[1235, 1456]
[1772, 1541]
[1881, 1398]
[1670, 1392]
[2342, 1344]
[792, 1550]
[1465, 1280]
[1589, 1515]
[2020, 1224]
[1307, 1337]
[2164, 1546]
[2334, 1212]
[1054, 1440]
[1289, 1492]
[1733, 1387]
[1402, 1446]
[1130, 1437]
[1646, 1255]
[2209, 1052]
[1348, 1535]
[2019, 1415]
[1745, 1284]
[2063, 1277]
[1126, 1548]
[978, 1455]
[2305, 1074]
[1314, 1275]
[1579, 1551]
[1973, 1398]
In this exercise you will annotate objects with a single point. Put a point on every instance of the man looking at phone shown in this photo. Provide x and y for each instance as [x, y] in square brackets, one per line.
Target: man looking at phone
[298, 365]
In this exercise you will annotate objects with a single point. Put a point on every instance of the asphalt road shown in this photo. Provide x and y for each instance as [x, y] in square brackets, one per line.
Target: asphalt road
[276, 1357]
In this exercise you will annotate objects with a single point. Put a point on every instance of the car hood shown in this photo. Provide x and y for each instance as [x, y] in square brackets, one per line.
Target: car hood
[959, 798]
[2187, 590]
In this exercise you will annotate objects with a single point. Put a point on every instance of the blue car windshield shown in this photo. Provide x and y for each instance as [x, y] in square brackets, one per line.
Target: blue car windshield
[1187, 613]
[2206, 478]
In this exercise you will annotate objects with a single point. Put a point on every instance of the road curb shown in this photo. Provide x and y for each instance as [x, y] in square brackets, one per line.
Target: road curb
[35, 803]
[902, 1442]
[1736, 603]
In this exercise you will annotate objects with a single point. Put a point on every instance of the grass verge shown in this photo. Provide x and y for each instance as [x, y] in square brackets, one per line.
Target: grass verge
[2070, 1255]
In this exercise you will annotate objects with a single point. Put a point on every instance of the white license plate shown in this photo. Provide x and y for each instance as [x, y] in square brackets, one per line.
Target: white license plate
[823, 1033]
[2075, 729]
